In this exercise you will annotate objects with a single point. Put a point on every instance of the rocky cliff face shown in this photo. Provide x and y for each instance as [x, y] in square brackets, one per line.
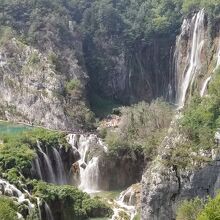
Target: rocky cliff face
[34, 85]
[164, 185]
[132, 75]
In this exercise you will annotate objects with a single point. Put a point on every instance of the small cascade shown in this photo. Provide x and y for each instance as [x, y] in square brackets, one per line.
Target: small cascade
[204, 87]
[126, 204]
[88, 166]
[38, 207]
[218, 58]
[49, 168]
[37, 167]
[205, 84]
[90, 176]
[194, 63]
[12, 191]
[61, 177]
[49, 215]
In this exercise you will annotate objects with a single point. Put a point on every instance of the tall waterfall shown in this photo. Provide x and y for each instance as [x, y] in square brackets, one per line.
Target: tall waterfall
[194, 60]
[89, 148]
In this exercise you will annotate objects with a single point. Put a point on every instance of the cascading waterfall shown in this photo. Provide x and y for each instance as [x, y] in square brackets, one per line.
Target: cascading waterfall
[90, 176]
[218, 58]
[9, 189]
[124, 204]
[202, 92]
[37, 167]
[49, 168]
[205, 84]
[49, 215]
[194, 56]
[61, 178]
[39, 209]
[12, 191]
[88, 167]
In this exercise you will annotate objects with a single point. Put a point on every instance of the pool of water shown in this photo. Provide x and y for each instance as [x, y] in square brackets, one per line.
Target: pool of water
[12, 128]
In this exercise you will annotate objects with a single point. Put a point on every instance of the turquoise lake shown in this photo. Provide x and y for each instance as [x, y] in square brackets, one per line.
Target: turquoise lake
[12, 128]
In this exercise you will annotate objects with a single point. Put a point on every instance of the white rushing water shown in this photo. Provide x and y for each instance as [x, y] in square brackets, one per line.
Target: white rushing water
[39, 208]
[37, 167]
[90, 176]
[218, 58]
[48, 168]
[204, 87]
[194, 61]
[205, 84]
[49, 215]
[125, 205]
[89, 167]
[12, 191]
[61, 176]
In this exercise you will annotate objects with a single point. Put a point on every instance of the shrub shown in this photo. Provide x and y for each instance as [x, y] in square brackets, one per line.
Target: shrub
[142, 126]
[72, 85]
[211, 210]
[34, 58]
[189, 210]
[7, 209]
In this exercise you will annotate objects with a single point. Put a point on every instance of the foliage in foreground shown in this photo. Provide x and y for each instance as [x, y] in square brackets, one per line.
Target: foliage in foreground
[7, 209]
[189, 210]
[211, 210]
[199, 209]
[72, 202]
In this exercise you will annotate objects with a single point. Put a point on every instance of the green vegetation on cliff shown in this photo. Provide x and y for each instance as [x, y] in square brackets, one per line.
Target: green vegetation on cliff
[142, 128]
[202, 116]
